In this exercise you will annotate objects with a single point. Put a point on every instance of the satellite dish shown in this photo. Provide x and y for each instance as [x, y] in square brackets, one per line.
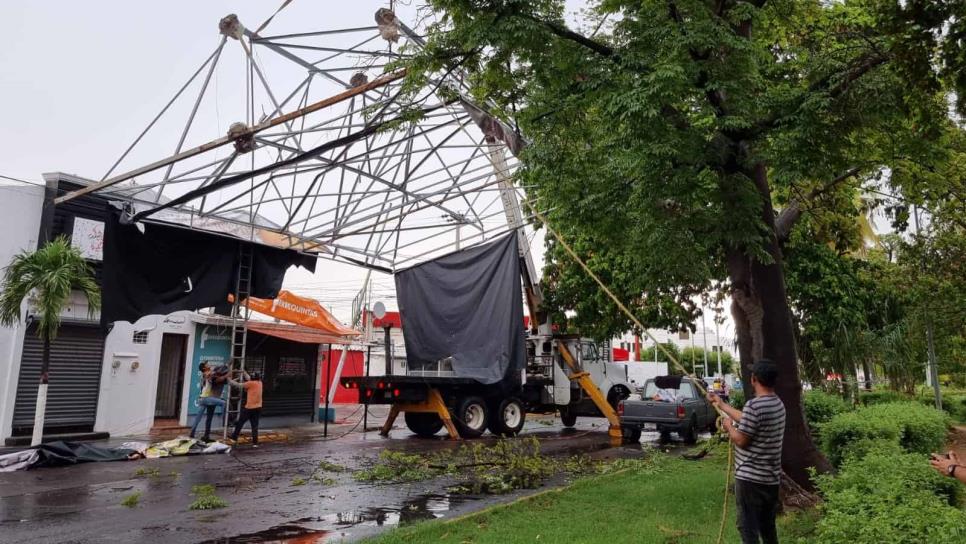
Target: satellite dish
[379, 310]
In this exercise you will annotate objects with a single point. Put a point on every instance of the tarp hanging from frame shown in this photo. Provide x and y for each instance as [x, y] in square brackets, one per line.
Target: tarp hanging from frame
[467, 306]
[165, 269]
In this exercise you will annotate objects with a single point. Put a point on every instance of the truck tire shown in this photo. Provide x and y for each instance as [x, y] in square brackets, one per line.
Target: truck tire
[632, 435]
[690, 433]
[471, 417]
[507, 417]
[568, 418]
[424, 424]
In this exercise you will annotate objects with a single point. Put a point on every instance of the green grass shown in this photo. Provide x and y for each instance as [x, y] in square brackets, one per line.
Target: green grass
[669, 500]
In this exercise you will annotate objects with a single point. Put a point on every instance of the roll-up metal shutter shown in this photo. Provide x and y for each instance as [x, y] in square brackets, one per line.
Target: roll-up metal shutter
[76, 359]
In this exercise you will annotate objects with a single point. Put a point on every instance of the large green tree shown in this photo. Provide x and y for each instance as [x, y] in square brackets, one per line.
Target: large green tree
[665, 136]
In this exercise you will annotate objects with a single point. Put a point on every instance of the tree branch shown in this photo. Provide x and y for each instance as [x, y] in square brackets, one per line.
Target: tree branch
[562, 31]
[793, 212]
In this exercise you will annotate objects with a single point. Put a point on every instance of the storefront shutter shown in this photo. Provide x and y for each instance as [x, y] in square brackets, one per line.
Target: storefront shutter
[76, 359]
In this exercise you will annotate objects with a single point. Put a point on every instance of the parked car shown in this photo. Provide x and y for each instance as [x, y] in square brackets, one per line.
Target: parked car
[668, 404]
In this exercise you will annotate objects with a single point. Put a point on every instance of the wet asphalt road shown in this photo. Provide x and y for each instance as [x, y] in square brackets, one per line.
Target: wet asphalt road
[82, 503]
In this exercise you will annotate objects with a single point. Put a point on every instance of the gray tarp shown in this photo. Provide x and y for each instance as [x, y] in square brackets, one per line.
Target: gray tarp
[469, 306]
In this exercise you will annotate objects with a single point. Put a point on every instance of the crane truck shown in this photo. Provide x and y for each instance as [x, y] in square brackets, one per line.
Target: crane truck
[563, 373]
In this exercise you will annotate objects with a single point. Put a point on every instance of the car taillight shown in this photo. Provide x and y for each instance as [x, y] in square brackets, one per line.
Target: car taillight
[369, 393]
[680, 412]
[381, 385]
[396, 392]
[620, 408]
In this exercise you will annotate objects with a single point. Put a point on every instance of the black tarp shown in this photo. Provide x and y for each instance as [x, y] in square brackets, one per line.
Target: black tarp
[166, 269]
[59, 453]
[468, 306]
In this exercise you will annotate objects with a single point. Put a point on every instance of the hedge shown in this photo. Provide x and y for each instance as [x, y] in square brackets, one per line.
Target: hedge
[890, 496]
[954, 405]
[868, 398]
[910, 425]
[820, 407]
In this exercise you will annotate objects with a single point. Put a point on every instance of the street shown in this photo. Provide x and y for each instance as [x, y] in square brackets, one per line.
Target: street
[266, 500]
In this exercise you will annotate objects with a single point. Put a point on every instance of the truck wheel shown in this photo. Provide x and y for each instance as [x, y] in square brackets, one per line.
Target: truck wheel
[632, 435]
[471, 417]
[690, 434]
[567, 418]
[507, 417]
[423, 424]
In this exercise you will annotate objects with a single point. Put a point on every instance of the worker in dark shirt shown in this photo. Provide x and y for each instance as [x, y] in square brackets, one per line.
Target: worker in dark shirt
[757, 433]
[214, 385]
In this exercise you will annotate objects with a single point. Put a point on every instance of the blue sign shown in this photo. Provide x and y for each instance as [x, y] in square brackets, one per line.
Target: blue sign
[212, 346]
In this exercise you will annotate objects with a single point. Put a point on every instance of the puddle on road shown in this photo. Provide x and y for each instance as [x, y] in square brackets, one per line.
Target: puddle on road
[316, 529]
[282, 534]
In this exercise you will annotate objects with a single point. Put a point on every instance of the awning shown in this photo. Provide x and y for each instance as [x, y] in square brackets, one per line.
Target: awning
[621, 354]
[296, 333]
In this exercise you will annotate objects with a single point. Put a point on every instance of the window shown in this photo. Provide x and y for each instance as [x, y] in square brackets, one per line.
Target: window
[589, 352]
[684, 335]
[687, 391]
[140, 337]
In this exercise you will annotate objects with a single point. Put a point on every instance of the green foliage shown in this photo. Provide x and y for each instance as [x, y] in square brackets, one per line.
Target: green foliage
[648, 354]
[868, 398]
[890, 496]
[737, 398]
[954, 405]
[298, 481]
[396, 466]
[693, 357]
[147, 472]
[326, 466]
[205, 498]
[913, 427]
[132, 500]
[479, 468]
[49, 275]
[820, 407]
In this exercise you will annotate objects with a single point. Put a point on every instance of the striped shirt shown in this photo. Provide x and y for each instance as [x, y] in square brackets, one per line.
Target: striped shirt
[763, 419]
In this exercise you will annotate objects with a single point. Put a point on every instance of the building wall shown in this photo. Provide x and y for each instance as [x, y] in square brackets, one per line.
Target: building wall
[20, 207]
[128, 390]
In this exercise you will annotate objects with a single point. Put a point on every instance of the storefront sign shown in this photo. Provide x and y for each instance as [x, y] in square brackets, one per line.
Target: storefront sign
[213, 346]
[88, 238]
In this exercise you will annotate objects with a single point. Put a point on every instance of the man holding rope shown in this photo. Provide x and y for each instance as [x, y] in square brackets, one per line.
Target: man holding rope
[757, 434]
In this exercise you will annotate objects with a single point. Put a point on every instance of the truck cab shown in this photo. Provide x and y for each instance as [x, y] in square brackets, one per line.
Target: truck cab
[564, 394]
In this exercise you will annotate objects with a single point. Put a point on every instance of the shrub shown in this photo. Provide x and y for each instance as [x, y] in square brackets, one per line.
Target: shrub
[820, 407]
[912, 426]
[887, 496]
[954, 405]
[868, 398]
[737, 398]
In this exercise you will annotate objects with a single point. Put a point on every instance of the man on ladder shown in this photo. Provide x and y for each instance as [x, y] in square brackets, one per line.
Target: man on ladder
[757, 433]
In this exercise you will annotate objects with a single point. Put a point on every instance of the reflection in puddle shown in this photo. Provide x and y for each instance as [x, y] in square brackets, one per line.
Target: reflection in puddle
[282, 534]
[421, 508]
[310, 530]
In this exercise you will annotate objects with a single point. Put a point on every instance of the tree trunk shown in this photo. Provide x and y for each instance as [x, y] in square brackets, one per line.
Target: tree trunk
[41, 407]
[764, 326]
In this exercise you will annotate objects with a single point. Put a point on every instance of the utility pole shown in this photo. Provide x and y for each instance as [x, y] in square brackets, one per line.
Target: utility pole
[932, 371]
[704, 340]
[717, 343]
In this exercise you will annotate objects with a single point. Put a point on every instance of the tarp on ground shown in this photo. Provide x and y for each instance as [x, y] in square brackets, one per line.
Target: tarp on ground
[56, 454]
[155, 269]
[466, 306]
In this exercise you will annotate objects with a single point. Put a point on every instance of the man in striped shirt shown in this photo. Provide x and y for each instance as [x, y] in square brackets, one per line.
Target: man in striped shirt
[757, 433]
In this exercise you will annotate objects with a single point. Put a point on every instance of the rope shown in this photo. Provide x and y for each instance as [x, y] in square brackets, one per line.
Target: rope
[699, 383]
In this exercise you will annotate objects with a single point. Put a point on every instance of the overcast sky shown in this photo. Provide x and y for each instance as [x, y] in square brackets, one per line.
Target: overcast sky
[79, 80]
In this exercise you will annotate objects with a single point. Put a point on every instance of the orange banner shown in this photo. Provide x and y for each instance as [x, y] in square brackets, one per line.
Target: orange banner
[295, 309]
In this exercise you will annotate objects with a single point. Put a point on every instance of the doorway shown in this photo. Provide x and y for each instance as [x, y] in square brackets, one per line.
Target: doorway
[174, 349]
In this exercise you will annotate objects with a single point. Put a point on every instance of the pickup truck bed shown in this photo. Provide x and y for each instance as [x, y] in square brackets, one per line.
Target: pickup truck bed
[686, 414]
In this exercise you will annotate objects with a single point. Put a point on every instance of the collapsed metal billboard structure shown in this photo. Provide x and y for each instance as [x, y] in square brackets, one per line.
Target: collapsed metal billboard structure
[329, 159]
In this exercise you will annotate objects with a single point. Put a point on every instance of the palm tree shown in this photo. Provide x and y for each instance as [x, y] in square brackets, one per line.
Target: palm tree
[47, 276]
